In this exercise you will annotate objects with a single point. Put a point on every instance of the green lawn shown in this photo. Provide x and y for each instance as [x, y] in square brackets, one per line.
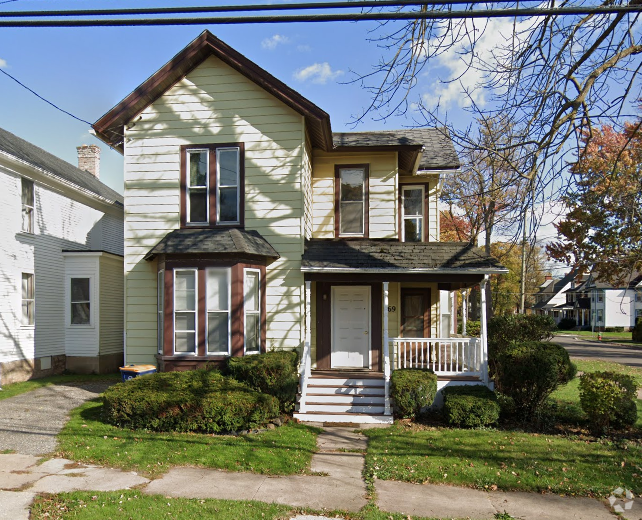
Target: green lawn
[133, 505]
[14, 389]
[85, 438]
[607, 337]
[512, 460]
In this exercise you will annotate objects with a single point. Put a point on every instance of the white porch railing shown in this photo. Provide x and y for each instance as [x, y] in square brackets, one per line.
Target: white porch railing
[445, 356]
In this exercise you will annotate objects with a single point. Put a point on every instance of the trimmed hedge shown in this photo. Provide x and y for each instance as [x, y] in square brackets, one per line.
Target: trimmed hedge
[567, 324]
[193, 401]
[470, 406]
[608, 399]
[412, 389]
[636, 333]
[529, 372]
[274, 373]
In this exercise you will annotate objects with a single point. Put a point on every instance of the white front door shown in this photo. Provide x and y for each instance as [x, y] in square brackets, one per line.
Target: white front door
[350, 327]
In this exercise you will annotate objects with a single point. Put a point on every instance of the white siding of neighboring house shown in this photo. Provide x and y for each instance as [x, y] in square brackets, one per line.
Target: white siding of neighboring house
[619, 308]
[60, 223]
[111, 306]
[214, 104]
[382, 186]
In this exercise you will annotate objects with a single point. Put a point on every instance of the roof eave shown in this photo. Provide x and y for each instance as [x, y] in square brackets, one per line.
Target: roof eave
[400, 270]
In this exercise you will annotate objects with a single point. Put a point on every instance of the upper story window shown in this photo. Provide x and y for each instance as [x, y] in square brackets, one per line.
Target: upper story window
[351, 201]
[212, 182]
[27, 205]
[412, 213]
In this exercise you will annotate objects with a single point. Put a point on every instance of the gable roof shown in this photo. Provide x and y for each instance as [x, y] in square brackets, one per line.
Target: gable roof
[438, 150]
[437, 147]
[392, 256]
[36, 157]
[109, 127]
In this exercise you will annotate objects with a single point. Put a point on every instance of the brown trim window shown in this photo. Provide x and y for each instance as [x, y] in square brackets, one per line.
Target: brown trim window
[160, 298]
[412, 213]
[212, 180]
[252, 308]
[218, 311]
[185, 311]
[415, 313]
[351, 200]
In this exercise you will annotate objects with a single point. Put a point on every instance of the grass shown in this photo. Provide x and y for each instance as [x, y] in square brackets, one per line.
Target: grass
[14, 389]
[607, 337]
[134, 505]
[85, 438]
[512, 460]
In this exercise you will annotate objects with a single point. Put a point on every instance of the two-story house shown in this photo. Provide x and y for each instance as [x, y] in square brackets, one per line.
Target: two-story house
[251, 226]
[61, 264]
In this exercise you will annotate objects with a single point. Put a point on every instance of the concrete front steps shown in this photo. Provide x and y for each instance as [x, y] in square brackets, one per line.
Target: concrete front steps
[344, 397]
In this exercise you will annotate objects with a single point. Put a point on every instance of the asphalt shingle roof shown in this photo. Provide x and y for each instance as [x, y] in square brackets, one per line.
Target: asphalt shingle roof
[393, 255]
[439, 152]
[213, 241]
[39, 158]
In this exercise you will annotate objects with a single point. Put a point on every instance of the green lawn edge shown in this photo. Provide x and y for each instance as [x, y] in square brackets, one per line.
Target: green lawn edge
[286, 450]
[14, 389]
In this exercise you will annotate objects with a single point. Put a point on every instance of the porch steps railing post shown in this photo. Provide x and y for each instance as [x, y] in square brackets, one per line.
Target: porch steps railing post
[386, 352]
[306, 359]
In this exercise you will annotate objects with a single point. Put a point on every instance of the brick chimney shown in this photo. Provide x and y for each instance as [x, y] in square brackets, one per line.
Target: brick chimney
[548, 277]
[89, 159]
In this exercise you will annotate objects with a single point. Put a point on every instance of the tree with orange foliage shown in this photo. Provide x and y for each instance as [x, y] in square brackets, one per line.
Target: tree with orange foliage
[603, 227]
[453, 228]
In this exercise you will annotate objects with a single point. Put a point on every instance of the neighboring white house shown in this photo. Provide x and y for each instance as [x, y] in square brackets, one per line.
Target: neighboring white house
[61, 264]
[551, 299]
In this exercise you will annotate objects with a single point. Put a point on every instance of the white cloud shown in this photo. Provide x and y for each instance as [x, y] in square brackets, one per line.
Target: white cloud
[274, 41]
[303, 48]
[3, 63]
[459, 85]
[319, 73]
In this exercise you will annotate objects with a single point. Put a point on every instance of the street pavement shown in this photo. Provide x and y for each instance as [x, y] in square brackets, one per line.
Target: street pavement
[583, 348]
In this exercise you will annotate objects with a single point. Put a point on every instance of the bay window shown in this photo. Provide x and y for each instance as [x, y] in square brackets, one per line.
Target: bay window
[218, 311]
[185, 315]
[212, 178]
[251, 305]
[80, 301]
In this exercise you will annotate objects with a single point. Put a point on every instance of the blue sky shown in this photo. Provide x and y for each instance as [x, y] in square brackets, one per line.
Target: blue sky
[86, 71]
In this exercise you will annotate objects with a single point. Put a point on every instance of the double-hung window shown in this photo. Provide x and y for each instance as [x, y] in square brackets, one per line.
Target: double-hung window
[218, 311]
[412, 206]
[213, 180]
[160, 309]
[28, 299]
[80, 290]
[27, 205]
[351, 205]
[185, 311]
[252, 306]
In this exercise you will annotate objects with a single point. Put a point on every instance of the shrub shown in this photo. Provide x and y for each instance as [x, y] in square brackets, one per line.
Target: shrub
[274, 373]
[412, 389]
[608, 399]
[473, 328]
[636, 335]
[193, 401]
[567, 324]
[529, 372]
[470, 406]
[613, 329]
[503, 331]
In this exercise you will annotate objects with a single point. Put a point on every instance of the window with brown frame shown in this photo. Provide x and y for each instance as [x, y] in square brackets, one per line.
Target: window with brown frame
[413, 212]
[351, 200]
[212, 185]
[415, 313]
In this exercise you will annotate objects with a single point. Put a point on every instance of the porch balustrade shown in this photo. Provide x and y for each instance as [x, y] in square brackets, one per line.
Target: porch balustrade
[445, 356]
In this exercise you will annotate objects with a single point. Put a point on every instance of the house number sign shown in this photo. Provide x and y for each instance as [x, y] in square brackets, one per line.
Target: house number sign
[392, 308]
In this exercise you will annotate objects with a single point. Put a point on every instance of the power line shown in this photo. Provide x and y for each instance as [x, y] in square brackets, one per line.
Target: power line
[45, 100]
[349, 17]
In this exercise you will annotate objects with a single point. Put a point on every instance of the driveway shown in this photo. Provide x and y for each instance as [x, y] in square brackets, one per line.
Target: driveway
[588, 349]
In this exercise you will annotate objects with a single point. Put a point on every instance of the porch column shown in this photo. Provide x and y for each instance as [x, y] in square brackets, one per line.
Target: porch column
[484, 331]
[464, 312]
[306, 361]
[386, 352]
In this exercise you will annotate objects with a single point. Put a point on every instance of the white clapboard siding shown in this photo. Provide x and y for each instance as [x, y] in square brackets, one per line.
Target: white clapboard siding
[64, 219]
[83, 340]
[111, 304]
[383, 176]
[214, 104]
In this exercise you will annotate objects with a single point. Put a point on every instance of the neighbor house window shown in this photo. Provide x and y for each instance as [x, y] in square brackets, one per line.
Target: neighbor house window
[218, 311]
[252, 311]
[600, 297]
[600, 316]
[213, 181]
[638, 313]
[412, 207]
[27, 205]
[28, 299]
[80, 301]
[160, 298]
[351, 206]
[185, 311]
[638, 296]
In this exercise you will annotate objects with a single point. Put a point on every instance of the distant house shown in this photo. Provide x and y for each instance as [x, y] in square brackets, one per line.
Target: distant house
[251, 226]
[551, 298]
[61, 264]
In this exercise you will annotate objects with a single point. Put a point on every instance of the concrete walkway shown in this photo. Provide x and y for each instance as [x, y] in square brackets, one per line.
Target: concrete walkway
[338, 484]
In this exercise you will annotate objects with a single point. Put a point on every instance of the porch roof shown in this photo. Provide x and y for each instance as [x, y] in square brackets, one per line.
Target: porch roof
[391, 256]
[213, 241]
